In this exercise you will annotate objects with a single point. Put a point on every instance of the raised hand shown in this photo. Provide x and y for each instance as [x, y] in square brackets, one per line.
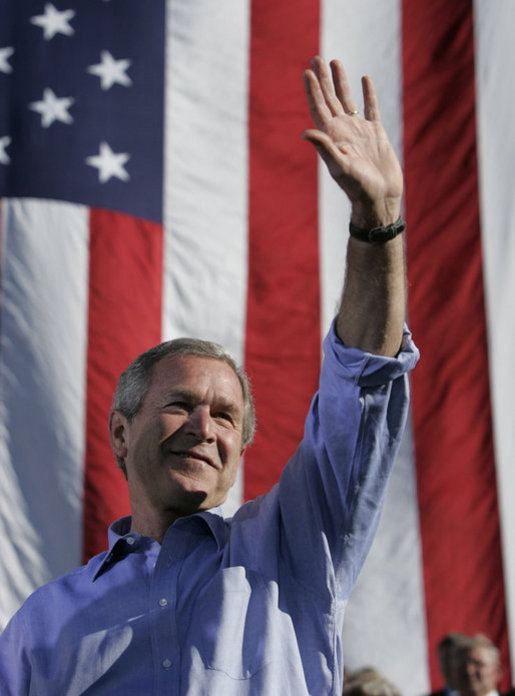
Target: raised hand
[356, 150]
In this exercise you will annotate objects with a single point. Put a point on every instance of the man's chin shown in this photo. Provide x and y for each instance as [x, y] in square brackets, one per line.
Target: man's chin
[192, 494]
[198, 501]
[472, 690]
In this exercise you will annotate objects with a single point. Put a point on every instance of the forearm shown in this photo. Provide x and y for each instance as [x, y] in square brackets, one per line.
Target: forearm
[373, 305]
[361, 160]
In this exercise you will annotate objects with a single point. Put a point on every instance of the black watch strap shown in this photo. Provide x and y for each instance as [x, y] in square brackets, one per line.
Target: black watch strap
[378, 235]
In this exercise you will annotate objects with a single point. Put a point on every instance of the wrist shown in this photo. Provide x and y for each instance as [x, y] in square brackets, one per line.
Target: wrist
[371, 214]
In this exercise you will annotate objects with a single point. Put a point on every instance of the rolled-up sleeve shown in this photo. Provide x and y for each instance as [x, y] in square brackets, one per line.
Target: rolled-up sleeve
[332, 490]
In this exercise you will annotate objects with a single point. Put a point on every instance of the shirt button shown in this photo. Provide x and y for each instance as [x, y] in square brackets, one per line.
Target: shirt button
[163, 602]
[167, 663]
[130, 540]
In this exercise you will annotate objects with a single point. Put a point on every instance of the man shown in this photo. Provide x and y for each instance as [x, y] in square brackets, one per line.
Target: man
[185, 602]
[450, 648]
[479, 668]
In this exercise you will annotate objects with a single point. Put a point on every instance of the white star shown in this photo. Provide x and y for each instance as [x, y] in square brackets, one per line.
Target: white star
[109, 164]
[111, 71]
[52, 108]
[5, 54]
[54, 22]
[4, 142]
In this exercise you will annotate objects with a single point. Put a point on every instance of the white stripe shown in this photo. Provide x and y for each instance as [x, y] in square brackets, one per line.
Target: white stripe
[205, 199]
[385, 620]
[367, 41]
[495, 57]
[42, 372]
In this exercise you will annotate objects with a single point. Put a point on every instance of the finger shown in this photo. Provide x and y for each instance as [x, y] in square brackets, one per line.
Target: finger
[326, 84]
[320, 112]
[342, 87]
[370, 99]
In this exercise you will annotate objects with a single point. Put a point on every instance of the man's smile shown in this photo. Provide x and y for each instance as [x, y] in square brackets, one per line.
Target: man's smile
[198, 456]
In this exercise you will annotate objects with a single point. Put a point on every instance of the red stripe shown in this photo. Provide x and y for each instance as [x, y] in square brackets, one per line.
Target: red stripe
[283, 324]
[125, 280]
[459, 519]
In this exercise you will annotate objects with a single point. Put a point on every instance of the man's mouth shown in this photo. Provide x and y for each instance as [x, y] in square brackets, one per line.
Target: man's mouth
[189, 454]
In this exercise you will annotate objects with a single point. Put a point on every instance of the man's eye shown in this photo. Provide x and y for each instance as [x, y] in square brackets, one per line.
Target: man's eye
[223, 416]
[181, 405]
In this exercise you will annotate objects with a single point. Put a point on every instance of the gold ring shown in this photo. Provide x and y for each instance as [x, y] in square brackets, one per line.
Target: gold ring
[352, 113]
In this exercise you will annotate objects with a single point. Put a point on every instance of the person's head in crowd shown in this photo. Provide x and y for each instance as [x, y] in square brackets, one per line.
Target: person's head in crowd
[479, 670]
[449, 649]
[367, 681]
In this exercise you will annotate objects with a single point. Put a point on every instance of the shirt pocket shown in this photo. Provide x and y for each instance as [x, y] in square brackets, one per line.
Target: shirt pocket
[232, 620]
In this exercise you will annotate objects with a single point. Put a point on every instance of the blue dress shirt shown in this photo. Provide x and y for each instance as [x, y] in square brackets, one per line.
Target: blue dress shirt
[248, 605]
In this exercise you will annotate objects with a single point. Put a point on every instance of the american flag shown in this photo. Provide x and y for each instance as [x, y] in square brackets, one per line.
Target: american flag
[154, 184]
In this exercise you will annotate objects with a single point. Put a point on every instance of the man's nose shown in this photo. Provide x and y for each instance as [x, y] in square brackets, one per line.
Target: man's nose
[200, 423]
[470, 668]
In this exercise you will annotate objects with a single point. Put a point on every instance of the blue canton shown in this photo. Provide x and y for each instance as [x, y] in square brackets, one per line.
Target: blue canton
[82, 102]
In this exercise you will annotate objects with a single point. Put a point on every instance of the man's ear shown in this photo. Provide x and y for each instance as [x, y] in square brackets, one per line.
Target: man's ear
[118, 433]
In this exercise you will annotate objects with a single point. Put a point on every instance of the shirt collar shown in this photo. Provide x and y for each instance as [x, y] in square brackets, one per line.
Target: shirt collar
[121, 539]
[217, 525]
[211, 521]
[118, 530]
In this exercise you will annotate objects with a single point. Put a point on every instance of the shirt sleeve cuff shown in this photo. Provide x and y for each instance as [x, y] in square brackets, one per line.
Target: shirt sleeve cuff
[366, 369]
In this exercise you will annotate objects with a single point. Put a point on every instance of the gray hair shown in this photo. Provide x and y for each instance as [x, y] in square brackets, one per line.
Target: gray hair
[135, 380]
[482, 641]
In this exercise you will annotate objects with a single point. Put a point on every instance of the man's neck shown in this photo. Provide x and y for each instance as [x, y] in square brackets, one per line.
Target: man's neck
[153, 525]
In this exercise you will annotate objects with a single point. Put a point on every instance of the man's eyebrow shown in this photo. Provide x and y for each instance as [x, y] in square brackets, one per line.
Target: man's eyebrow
[226, 405]
[192, 397]
[185, 394]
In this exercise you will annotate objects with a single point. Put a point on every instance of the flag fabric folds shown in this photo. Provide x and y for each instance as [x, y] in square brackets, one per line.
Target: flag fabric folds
[154, 184]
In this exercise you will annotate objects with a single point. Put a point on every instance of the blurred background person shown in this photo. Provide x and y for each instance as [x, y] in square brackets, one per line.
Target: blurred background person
[479, 668]
[449, 649]
[368, 681]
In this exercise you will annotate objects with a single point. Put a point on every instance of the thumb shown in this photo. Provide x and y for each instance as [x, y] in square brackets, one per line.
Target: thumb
[324, 146]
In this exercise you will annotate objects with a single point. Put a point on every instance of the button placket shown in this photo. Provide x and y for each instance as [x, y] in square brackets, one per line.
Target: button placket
[165, 638]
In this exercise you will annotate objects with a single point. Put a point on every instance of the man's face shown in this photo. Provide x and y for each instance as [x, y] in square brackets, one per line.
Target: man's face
[183, 447]
[479, 672]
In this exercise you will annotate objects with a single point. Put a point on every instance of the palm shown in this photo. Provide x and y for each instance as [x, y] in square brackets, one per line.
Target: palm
[363, 162]
[356, 150]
